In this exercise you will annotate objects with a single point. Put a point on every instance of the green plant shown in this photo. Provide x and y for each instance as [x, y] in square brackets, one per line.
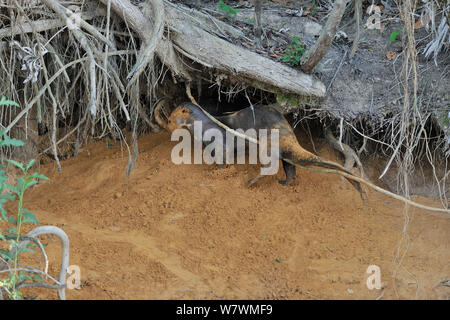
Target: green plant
[393, 36]
[295, 52]
[15, 192]
[228, 9]
[286, 99]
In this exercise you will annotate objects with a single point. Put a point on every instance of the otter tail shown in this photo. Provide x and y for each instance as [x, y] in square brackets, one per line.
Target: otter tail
[324, 163]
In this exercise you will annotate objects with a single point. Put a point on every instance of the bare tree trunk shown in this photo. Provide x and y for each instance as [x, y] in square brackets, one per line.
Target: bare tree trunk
[258, 25]
[314, 54]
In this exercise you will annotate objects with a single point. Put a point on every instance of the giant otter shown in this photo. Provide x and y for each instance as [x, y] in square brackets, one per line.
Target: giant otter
[263, 117]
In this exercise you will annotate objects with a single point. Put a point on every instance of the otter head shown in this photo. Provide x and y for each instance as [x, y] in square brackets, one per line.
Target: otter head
[180, 118]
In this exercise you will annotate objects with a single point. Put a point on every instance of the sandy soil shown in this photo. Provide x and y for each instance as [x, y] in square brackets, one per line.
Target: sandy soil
[197, 232]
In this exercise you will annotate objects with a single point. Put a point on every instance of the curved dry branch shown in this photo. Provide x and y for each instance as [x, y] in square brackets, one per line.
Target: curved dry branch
[64, 252]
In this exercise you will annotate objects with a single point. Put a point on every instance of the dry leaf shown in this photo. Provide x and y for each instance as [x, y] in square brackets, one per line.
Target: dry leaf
[422, 22]
[391, 55]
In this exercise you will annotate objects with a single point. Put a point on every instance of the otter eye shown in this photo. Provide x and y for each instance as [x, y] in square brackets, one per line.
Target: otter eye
[185, 111]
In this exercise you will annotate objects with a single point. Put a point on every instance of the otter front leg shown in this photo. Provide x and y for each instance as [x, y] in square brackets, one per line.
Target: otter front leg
[289, 170]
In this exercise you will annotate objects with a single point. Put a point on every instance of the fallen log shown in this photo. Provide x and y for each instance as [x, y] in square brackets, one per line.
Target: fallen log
[205, 47]
[198, 37]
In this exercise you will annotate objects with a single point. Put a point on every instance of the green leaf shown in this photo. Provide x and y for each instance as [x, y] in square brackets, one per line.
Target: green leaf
[6, 196]
[12, 231]
[22, 250]
[4, 102]
[6, 254]
[30, 164]
[17, 164]
[394, 35]
[37, 278]
[26, 276]
[228, 9]
[7, 141]
[3, 176]
[29, 182]
[39, 176]
[12, 220]
[4, 213]
[28, 217]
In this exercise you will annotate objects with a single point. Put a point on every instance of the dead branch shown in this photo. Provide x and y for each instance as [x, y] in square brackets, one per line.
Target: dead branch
[81, 38]
[41, 92]
[214, 52]
[64, 252]
[243, 64]
[381, 190]
[258, 26]
[149, 45]
[314, 54]
[358, 16]
[350, 155]
[46, 24]
[143, 27]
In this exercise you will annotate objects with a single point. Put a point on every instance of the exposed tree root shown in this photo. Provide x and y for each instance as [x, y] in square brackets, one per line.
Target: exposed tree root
[350, 155]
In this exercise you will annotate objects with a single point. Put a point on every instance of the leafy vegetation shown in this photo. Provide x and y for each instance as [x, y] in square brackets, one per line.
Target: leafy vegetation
[12, 233]
[393, 36]
[231, 12]
[295, 52]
